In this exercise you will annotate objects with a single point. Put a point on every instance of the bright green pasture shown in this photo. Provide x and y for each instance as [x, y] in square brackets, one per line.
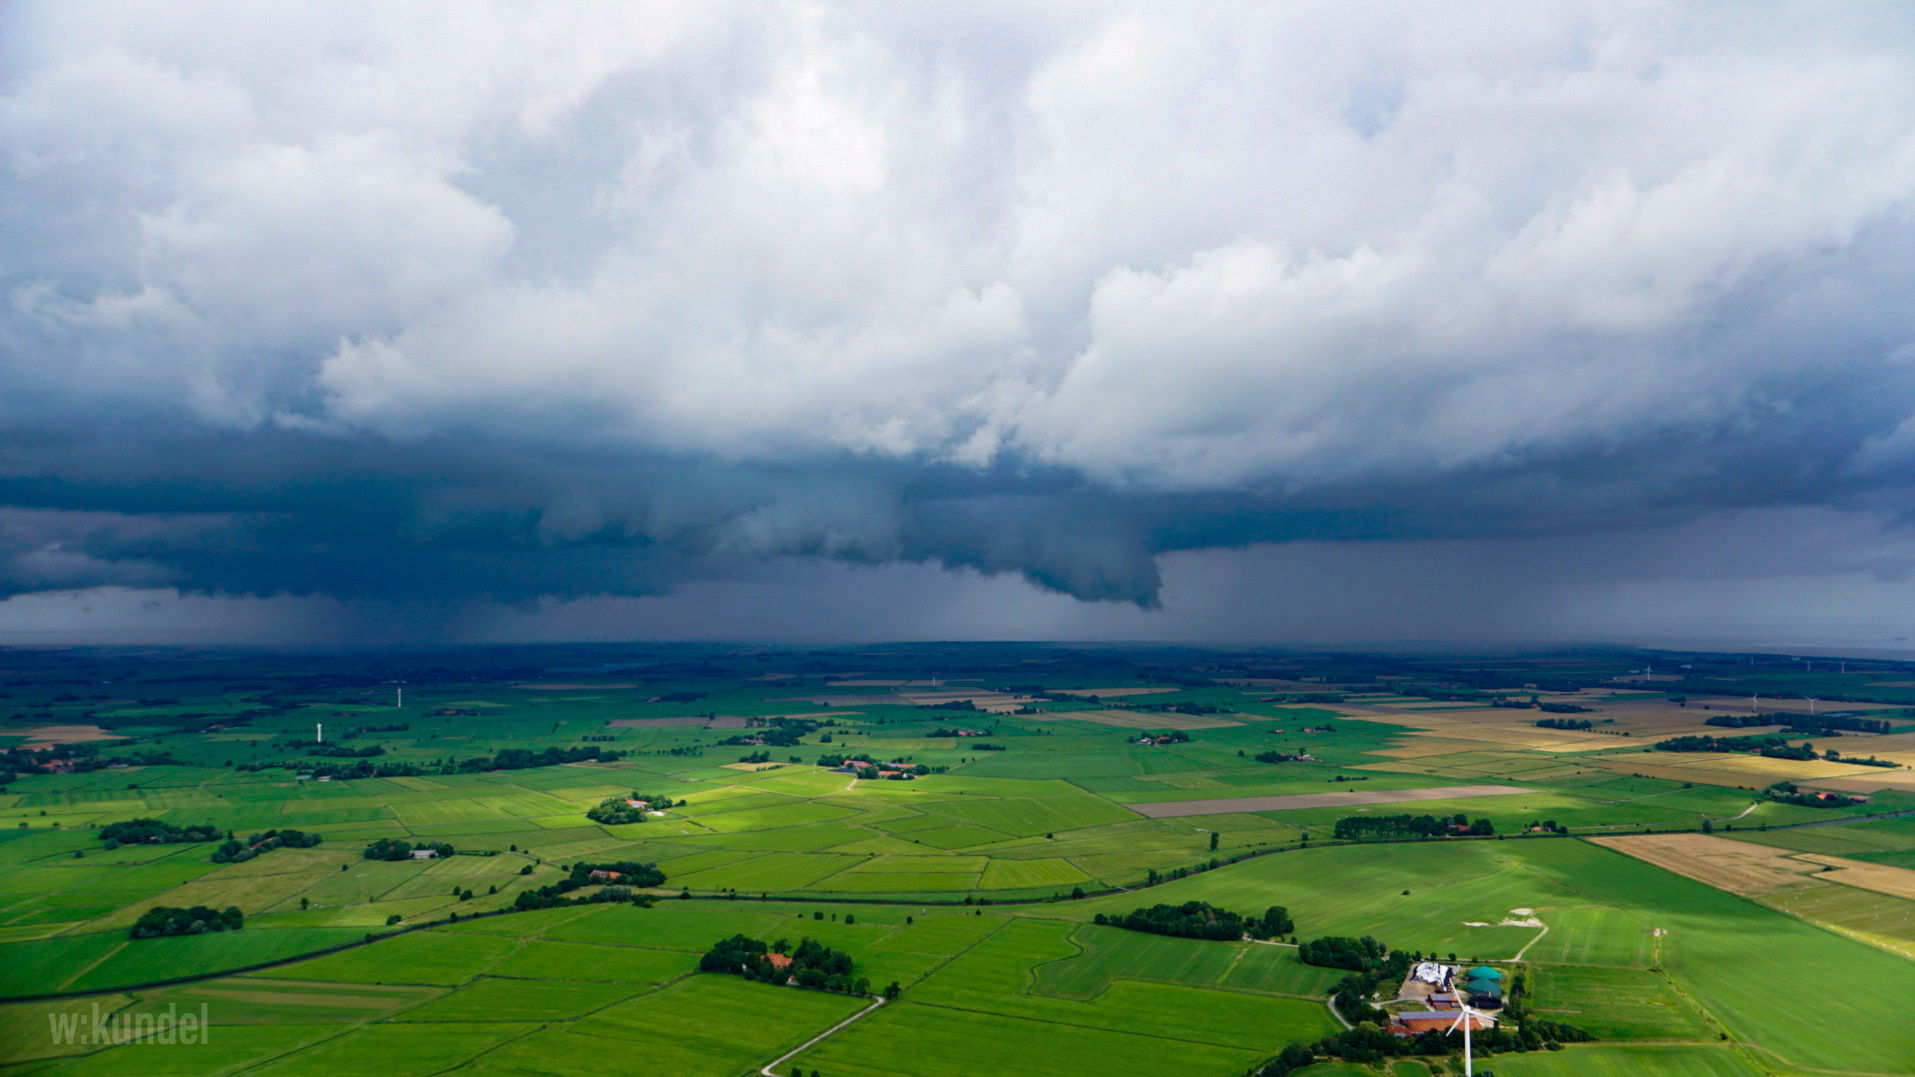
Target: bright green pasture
[543, 960]
[491, 999]
[424, 957]
[944, 1042]
[396, 1050]
[1110, 954]
[705, 1024]
[1614, 1004]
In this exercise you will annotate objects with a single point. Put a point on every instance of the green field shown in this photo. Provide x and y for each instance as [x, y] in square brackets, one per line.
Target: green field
[973, 887]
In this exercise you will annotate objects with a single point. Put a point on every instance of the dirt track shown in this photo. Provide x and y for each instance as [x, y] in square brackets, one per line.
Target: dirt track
[1348, 798]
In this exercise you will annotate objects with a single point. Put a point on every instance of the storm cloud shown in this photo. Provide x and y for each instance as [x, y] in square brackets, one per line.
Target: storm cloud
[432, 303]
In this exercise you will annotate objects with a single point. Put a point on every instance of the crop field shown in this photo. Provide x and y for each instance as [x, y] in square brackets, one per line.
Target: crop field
[1055, 786]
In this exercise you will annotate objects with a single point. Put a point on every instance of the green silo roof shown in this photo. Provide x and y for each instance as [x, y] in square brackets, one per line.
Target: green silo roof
[1484, 987]
[1484, 972]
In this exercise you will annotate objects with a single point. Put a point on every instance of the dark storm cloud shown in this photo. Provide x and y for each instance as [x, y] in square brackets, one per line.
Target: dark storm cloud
[600, 299]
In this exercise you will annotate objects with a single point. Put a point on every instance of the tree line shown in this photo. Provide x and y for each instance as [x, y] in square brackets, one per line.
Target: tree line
[1201, 920]
[1379, 827]
[163, 920]
[233, 851]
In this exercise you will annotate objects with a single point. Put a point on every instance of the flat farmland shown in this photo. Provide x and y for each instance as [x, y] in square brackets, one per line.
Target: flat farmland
[957, 885]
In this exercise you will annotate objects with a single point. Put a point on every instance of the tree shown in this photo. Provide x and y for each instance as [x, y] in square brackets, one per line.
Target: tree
[892, 990]
[1214, 837]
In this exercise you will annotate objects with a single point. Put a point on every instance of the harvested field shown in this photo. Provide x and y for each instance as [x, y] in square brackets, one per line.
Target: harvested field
[1736, 866]
[1141, 720]
[1868, 783]
[1881, 878]
[46, 736]
[1176, 808]
[1114, 693]
[753, 767]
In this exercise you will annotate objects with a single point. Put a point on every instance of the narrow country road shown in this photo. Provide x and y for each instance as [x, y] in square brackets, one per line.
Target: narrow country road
[876, 1001]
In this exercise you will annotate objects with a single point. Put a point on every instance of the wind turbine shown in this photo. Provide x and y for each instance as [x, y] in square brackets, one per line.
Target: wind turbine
[1464, 1020]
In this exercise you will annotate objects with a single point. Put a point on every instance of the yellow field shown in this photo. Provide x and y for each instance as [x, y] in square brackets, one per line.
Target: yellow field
[1895, 882]
[1738, 867]
[753, 767]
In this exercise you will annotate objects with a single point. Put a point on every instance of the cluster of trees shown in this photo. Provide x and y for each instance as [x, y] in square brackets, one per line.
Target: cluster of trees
[1376, 827]
[1790, 793]
[755, 757]
[164, 920]
[236, 852]
[1281, 757]
[394, 849]
[340, 751]
[1342, 952]
[154, 832]
[954, 705]
[620, 877]
[812, 964]
[1563, 708]
[778, 733]
[943, 732]
[618, 810]
[1565, 723]
[1201, 920]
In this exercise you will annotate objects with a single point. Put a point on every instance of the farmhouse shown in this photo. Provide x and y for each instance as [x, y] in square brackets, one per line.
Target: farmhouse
[1415, 1021]
[779, 961]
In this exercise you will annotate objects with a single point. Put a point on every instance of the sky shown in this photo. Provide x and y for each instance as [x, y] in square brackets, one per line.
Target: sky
[1261, 323]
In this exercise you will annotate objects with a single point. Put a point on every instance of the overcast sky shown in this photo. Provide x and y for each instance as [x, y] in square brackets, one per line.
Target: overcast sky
[1260, 322]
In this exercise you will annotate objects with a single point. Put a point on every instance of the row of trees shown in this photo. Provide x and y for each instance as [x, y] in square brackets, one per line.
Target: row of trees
[236, 852]
[1377, 827]
[1201, 920]
[162, 920]
[155, 832]
[1565, 723]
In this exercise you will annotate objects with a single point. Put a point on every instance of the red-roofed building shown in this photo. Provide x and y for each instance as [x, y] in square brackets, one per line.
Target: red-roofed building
[778, 961]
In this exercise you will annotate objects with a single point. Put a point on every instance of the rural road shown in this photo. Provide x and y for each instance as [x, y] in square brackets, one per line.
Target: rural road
[876, 1001]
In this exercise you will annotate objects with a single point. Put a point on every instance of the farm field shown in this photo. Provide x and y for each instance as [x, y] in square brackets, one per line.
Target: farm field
[958, 834]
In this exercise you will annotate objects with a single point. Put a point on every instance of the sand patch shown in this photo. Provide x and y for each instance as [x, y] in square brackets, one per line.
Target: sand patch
[1738, 867]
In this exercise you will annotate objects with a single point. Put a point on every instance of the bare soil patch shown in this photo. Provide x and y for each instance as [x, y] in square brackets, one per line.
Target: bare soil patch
[1143, 720]
[46, 736]
[1350, 798]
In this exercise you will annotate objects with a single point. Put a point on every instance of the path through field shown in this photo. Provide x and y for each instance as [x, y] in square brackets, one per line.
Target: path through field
[876, 1001]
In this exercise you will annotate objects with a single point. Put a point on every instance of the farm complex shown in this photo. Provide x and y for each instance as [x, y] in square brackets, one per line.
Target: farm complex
[955, 860]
